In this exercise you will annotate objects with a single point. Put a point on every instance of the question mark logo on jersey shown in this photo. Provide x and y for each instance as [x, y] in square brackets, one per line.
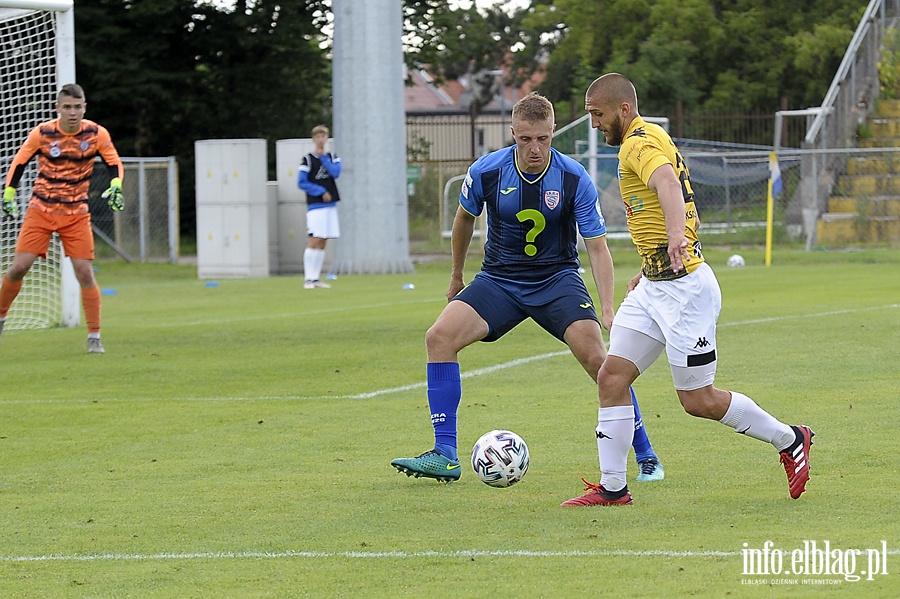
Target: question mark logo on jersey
[539, 221]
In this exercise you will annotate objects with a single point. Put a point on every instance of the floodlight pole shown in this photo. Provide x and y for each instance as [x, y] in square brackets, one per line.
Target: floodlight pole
[370, 137]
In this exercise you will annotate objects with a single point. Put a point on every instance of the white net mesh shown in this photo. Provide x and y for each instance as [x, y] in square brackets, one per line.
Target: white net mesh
[27, 96]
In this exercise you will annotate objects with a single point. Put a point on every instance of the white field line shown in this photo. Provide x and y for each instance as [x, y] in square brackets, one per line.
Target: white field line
[227, 555]
[423, 384]
[305, 313]
[738, 323]
[417, 554]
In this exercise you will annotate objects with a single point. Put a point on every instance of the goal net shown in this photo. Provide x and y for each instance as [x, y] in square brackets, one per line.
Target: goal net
[35, 54]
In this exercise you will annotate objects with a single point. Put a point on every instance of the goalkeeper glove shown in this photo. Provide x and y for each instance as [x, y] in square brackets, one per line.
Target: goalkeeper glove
[10, 208]
[114, 195]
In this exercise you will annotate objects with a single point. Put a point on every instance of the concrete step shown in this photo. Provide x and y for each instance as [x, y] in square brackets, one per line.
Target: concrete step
[861, 185]
[883, 164]
[868, 205]
[884, 126]
[888, 108]
[879, 142]
[867, 209]
[840, 229]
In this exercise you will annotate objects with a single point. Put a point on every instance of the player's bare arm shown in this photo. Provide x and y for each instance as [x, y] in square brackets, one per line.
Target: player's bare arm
[604, 277]
[664, 183]
[460, 238]
[633, 282]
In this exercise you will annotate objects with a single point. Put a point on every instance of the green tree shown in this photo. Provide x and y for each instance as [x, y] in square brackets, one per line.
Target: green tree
[161, 74]
[471, 45]
[710, 55]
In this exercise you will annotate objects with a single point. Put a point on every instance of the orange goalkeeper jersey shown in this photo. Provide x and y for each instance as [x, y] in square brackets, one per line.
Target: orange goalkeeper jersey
[65, 163]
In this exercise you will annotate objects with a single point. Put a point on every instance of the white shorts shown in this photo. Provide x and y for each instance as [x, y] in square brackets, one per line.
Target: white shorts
[323, 223]
[678, 316]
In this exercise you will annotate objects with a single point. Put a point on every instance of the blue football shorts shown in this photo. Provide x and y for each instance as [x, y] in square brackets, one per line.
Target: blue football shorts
[554, 303]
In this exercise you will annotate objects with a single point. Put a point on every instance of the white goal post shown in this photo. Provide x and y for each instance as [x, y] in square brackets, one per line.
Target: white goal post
[37, 57]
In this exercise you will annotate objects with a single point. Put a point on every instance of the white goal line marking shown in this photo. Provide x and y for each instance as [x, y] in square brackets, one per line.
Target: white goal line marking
[420, 385]
[225, 555]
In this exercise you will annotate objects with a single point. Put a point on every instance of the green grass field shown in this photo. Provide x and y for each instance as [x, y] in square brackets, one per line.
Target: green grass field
[235, 441]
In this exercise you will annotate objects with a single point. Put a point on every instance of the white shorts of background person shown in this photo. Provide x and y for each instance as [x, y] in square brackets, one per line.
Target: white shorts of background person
[321, 225]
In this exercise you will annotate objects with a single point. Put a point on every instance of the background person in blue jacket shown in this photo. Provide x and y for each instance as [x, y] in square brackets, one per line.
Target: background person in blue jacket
[318, 171]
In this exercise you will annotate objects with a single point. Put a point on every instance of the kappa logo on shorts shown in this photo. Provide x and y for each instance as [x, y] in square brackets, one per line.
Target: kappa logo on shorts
[701, 342]
[551, 199]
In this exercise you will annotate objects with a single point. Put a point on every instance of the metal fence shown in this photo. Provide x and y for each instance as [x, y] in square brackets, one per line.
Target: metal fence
[147, 229]
[731, 192]
[850, 100]
[856, 85]
[450, 136]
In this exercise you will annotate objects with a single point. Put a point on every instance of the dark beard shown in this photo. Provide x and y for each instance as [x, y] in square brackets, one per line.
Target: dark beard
[616, 133]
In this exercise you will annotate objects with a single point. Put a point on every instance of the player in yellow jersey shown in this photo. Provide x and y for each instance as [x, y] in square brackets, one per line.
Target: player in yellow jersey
[671, 305]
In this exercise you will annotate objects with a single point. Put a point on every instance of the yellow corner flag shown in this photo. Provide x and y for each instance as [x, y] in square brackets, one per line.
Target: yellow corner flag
[775, 185]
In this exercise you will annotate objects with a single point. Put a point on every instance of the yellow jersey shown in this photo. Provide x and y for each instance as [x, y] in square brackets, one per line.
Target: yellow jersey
[646, 147]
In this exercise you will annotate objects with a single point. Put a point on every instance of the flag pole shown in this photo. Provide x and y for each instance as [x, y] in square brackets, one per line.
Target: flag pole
[770, 204]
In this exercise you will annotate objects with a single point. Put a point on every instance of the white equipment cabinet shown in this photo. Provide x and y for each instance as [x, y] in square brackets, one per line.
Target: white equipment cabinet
[232, 211]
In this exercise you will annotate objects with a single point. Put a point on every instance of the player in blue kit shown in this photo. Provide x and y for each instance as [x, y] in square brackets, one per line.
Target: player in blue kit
[537, 202]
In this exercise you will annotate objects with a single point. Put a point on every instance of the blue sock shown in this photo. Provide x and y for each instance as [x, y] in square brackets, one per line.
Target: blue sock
[643, 450]
[444, 393]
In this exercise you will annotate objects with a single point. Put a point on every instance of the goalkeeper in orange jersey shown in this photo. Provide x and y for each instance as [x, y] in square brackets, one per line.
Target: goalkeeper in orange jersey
[66, 148]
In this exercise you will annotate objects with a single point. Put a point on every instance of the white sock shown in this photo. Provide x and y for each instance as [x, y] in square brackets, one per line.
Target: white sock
[312, 263]
[307, 264]
[319, 258]
[615, 432]
[747, 418]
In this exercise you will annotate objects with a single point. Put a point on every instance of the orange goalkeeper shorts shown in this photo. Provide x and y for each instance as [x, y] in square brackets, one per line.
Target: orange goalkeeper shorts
[74, 231]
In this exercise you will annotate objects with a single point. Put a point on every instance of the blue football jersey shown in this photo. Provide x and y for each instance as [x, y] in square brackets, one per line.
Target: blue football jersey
[532, 225]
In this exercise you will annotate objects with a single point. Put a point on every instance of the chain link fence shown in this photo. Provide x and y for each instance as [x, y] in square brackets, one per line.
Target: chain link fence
[731, 194]
[147, 229]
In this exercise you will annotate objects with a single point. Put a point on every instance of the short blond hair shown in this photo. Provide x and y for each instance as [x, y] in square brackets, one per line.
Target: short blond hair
[534, 108]
[320, 129]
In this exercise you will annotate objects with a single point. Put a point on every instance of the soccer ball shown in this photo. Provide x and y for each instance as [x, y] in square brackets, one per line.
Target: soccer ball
[500, 458]
[735, 261]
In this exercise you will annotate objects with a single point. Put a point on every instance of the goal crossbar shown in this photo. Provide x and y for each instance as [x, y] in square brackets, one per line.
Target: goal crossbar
[57, 5]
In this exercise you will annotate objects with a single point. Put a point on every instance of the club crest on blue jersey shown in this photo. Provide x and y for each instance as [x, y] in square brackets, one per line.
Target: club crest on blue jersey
[467, 182]
[600, 214]
[551, 199]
